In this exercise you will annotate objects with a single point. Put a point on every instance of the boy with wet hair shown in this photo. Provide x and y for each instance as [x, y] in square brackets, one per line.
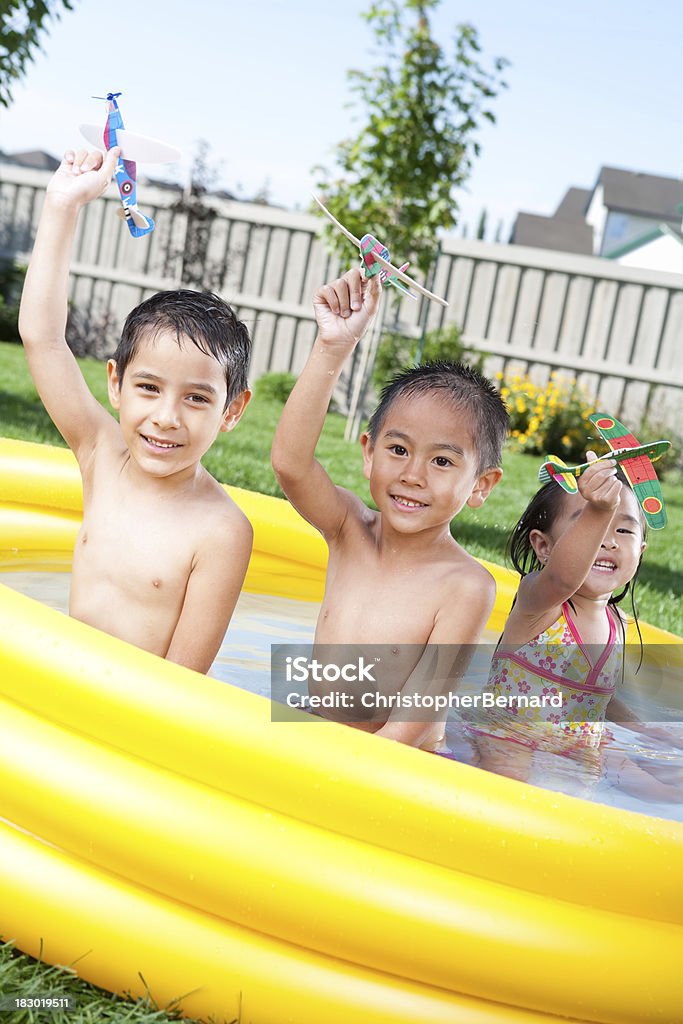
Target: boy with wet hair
[462, 386]
[201, 316]
[395, 576]
[162, 551]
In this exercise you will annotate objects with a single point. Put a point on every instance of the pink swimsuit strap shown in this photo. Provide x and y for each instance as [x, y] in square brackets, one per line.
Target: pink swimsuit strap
[607, 649]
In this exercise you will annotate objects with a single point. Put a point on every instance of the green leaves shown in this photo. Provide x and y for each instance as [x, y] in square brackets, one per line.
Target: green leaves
[421, 110]
[23, 21]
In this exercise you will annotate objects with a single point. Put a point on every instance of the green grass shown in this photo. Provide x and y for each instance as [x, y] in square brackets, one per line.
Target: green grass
[242, 458]
[23, 977]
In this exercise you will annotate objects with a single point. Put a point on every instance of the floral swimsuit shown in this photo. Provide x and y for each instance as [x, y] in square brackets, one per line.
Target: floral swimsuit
[556, 661]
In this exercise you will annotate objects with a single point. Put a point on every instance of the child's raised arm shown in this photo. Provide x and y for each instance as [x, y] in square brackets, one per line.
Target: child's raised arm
[568, 560]
[80, 178]
[343, 311]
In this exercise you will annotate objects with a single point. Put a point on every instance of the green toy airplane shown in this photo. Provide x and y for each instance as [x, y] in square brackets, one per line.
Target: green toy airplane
[636, 462]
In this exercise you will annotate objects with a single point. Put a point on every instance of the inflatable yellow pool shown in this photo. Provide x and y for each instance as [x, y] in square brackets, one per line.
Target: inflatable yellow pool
[155, 824]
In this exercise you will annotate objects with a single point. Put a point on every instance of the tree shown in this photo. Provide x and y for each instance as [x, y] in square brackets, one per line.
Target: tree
[23, 22]
[400, 174]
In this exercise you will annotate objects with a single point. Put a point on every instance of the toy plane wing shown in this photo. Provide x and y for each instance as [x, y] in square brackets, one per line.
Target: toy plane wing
[375, 257]
[344, 231]
[140, 148]
[636, 462]
[614, 433]
[650, 452]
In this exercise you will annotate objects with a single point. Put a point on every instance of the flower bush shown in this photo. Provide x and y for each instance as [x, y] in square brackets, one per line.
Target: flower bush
[550, 420]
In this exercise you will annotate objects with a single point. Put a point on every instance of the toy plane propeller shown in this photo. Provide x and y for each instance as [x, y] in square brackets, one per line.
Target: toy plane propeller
[636, 462]
[375, 260]
[133, 147]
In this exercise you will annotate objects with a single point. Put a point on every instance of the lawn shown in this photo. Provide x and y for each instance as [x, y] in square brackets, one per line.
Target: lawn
[23, 977]
[242, 458]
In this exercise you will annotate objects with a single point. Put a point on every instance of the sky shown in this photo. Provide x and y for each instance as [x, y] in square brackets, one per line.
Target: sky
[591, 83]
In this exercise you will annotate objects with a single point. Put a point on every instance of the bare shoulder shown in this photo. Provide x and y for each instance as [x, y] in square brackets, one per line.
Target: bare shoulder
[526, 604]
[223, 523]
[469, 579]
[465, 585]
[465, 599]
[529, 616]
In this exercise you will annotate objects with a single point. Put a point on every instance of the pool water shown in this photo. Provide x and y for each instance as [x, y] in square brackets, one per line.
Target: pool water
[244, 660]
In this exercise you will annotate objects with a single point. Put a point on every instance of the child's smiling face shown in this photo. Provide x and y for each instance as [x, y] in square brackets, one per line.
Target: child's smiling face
[423, 466]
[171, 404]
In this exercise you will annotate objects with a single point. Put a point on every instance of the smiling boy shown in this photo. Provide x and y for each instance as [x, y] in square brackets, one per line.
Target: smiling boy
[395, 576]
[162, 552]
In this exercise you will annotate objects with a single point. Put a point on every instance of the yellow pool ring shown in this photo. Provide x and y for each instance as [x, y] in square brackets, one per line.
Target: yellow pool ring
[160, 823]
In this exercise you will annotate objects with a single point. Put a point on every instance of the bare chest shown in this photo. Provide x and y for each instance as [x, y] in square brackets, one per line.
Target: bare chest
[141, 548]
[369, 602]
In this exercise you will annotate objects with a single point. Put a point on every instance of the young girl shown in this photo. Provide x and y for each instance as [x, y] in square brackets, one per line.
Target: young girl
[578, 555]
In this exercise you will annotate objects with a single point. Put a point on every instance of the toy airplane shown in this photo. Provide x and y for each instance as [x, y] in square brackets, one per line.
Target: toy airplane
[375, 259]
[133, 147]
[636, 462]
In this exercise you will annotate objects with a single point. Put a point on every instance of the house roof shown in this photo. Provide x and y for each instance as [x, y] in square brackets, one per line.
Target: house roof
[36, 158]
[648, 195]
[553, 233]
[574, 204]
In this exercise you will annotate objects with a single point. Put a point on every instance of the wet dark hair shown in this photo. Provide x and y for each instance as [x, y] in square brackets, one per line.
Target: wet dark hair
[204, 318]
[462, 386]
[540, 514]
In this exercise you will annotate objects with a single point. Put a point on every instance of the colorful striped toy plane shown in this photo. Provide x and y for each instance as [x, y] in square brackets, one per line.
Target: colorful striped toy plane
[636, 462]
[133, 148]
[375, 260]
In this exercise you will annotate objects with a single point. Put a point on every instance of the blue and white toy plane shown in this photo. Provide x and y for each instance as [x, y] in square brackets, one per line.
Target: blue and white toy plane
[133, 148]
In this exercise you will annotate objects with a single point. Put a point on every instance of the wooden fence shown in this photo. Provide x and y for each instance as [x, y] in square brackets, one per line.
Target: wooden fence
[617, 330]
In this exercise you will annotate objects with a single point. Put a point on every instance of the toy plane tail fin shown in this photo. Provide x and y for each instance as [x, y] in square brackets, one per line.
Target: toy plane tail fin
[138, 223]
[555, 469]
